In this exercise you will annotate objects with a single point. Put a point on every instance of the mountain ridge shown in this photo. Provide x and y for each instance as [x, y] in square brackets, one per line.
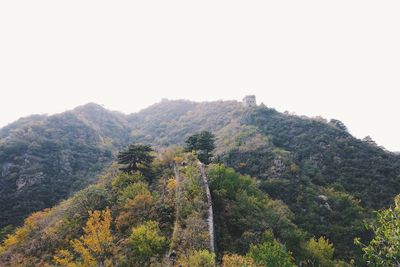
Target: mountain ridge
[316, 167]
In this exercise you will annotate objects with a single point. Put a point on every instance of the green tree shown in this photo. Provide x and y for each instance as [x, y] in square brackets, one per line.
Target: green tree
[135, 158]
[384, 248]
[191, 143]
[203, 143]
[271, 254]
[123, 180]
[133, 190]
[235, 260]
[206, 144]
[201, 258]
[338, 124]
[321, 252]
[146, 242]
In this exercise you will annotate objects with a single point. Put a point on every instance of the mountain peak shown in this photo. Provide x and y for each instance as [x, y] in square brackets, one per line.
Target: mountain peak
[91, 106]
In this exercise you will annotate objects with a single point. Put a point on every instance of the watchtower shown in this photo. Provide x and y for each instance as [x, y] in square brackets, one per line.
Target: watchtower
[249, 101]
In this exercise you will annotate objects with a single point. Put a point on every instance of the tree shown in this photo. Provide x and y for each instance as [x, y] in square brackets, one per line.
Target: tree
[191, 143]
[201, 258]
[94, 247]
[135, 158]
[384, 248]
[146, 242]
[271, 254]
[206, 144]
[203, 143]
[31, 224]
[321, 252]
[133, 190]
[5, 231]
[235, 260]
[368, 139]
[123, 180]
[338, 124]
[135, 211]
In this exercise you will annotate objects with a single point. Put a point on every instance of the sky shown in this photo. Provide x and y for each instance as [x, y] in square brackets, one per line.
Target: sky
[337, 59]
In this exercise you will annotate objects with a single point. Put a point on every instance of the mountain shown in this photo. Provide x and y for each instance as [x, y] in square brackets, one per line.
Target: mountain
[324, 150]
[328, 181]
[331, 180]
[44, 159]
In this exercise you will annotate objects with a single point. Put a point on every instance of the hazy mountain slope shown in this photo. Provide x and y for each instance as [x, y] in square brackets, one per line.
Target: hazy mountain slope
[367, 171]
[171, 122]
[329, 179]
[45, 159]
[267, 142]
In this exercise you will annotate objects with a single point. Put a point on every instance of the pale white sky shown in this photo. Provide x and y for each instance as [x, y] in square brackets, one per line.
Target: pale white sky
[337, 59]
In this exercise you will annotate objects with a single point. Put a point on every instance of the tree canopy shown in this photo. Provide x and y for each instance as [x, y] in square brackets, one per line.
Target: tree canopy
[146, 242]
[203, 143]
[384, 248]
[135, 158]
[94, 248]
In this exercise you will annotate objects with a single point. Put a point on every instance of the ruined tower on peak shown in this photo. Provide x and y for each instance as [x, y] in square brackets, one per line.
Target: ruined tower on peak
[249, 101]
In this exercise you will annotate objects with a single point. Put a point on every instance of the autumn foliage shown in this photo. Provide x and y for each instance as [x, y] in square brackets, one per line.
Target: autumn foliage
[94, 248]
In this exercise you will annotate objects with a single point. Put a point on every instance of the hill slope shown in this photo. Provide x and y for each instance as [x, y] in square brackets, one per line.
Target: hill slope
[153, 215]
[323, 150]
[329, 180]
[45, 159]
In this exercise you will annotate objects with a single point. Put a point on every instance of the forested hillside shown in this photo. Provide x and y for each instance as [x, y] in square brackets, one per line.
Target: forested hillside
[45, 159]
[140, 218]
[310, 178]
[331, 181]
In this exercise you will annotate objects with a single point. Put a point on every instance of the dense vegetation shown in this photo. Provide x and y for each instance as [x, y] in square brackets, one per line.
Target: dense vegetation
[330, 180]
[133, 219]
[46, 159]
[301, 187]
[203, 144]
[384, 248]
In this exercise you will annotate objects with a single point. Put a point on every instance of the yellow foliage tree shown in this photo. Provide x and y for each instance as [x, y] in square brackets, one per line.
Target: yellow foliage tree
[65, 258]
[178, 160]
[201, 258]
[171, 184]
[21, 234]
[94, 247]
[294, 168]
[234, 260]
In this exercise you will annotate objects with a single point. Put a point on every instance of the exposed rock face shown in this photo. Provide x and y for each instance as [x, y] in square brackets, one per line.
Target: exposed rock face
[29, 180]
[6, 169]
[278, 167]
[323, 197]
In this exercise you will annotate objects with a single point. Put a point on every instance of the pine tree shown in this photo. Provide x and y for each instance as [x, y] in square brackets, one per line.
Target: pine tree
[135, 158]
[203, 143]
